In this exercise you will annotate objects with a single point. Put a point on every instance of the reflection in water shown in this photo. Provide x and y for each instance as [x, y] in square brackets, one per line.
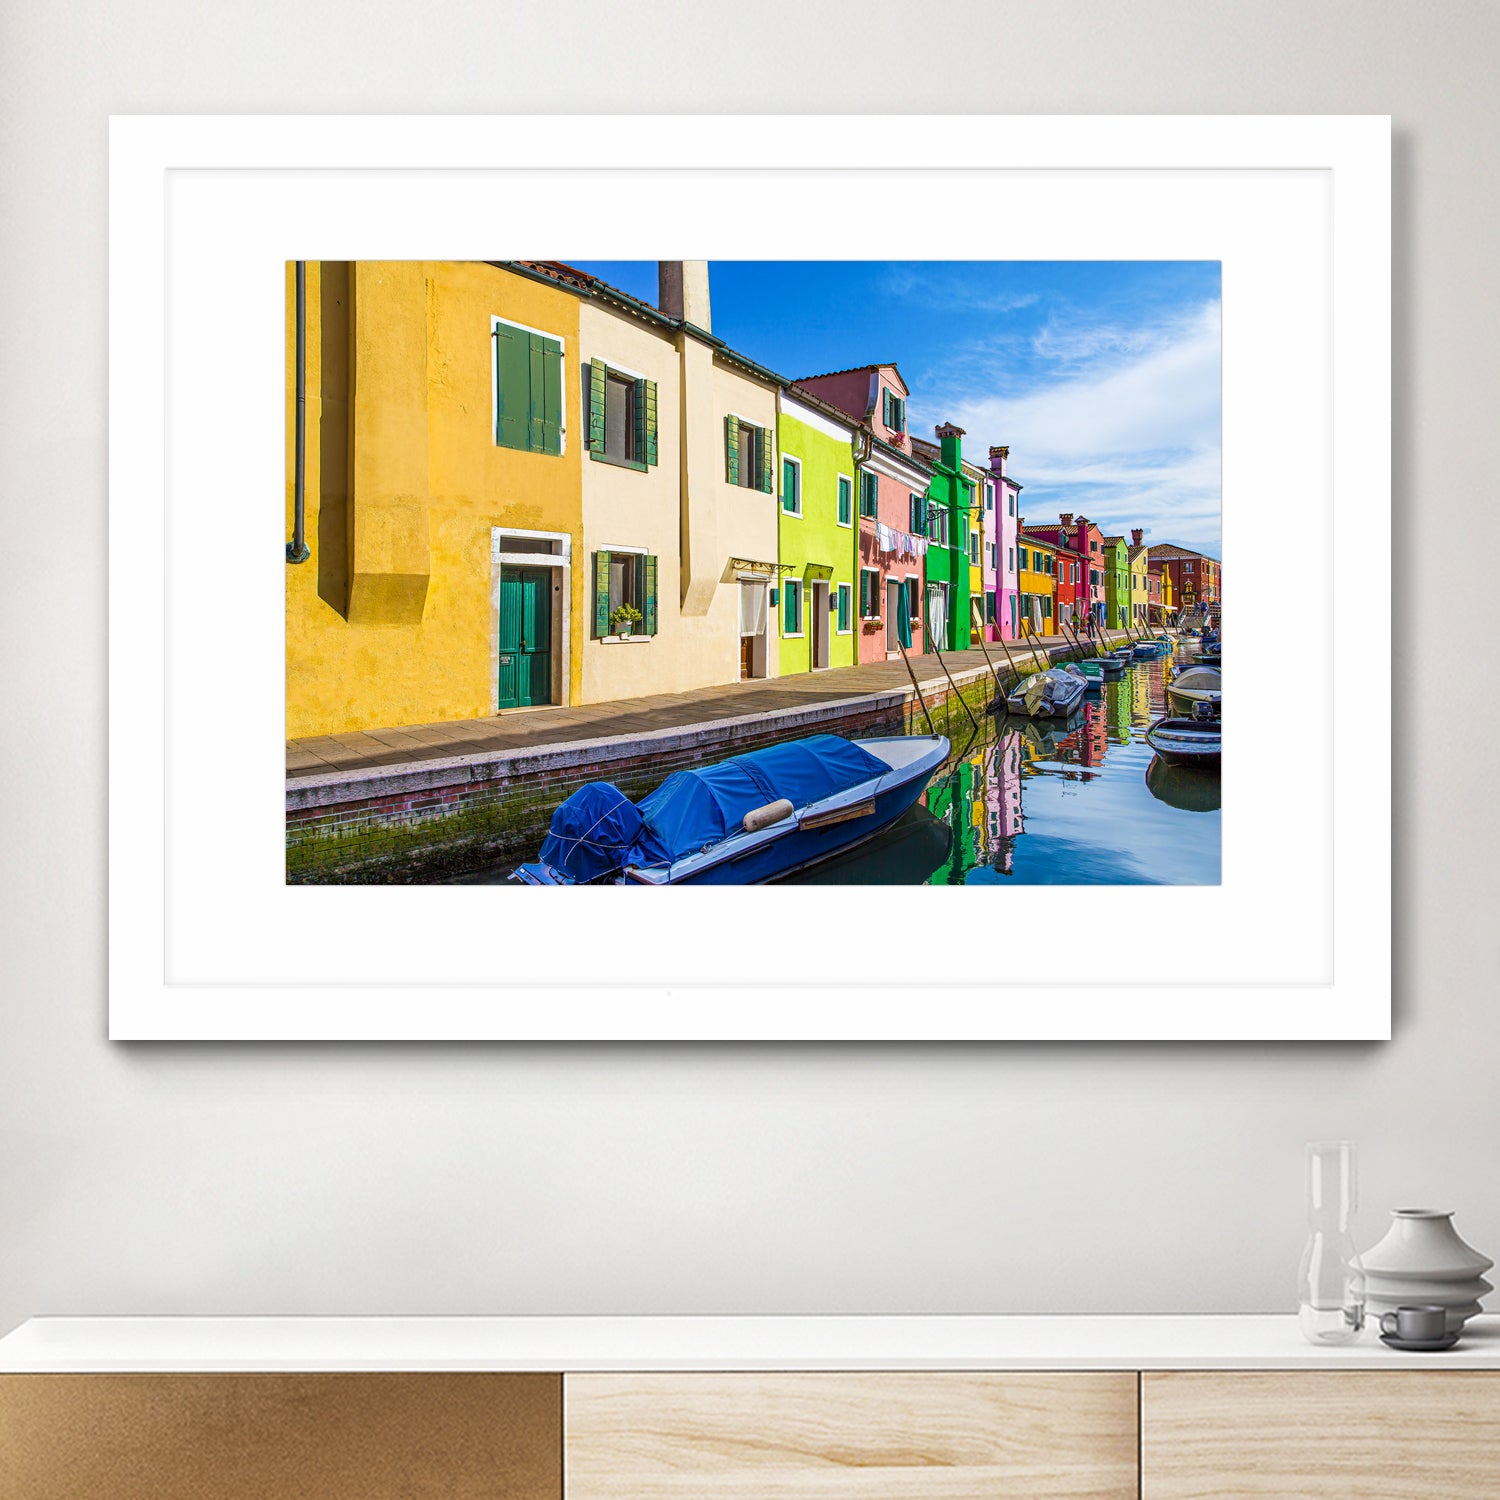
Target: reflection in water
[907, 853]
[1191, 788]
[1046, 802]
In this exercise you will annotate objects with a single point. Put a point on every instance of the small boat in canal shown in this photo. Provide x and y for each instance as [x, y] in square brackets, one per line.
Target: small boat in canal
[1152, 650]
[1113, 666]
[1187, 742]
[744, 821]
[1094, 671]
[1196, 685]
[1052, 694]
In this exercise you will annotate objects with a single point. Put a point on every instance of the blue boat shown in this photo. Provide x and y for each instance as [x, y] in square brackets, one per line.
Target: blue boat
[744, 821]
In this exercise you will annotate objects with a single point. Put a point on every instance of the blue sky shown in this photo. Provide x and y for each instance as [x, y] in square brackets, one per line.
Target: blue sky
[1102, 376]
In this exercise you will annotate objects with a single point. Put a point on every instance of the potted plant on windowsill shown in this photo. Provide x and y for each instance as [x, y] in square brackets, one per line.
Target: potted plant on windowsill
[624, 619]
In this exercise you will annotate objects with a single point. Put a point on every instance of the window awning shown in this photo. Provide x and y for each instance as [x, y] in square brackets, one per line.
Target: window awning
[818, 572]
[755, 565]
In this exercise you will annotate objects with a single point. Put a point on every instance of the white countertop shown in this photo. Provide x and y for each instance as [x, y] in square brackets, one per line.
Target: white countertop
[57, 1345]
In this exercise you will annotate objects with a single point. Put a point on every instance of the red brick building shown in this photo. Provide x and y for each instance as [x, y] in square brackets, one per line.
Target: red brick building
[1196, 577]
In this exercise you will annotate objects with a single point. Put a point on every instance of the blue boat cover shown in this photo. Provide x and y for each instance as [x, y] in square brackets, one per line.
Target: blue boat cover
[692, 810]
[598, 830]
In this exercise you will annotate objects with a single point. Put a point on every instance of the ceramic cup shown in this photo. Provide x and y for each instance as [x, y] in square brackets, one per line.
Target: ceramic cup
[1426, 1322]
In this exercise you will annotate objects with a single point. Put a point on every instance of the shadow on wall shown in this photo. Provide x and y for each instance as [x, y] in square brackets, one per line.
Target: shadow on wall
[333, 435]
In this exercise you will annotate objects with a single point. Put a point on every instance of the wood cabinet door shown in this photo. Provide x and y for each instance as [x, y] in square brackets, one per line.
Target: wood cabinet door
[936, 1435]
[1320, 1435]
[281, 1437]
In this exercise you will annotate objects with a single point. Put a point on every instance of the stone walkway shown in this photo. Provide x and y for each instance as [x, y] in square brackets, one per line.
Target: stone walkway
[518, 729]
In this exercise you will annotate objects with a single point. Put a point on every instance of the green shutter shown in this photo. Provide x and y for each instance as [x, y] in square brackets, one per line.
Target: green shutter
[535, 437]
[512, 387]
[885, 405]
[552, 396]
[650, 405]
[732, 449]
[601, 593]
[638, 437]
[648, 603]
[763, 456]
[787, 611]
[598, 377]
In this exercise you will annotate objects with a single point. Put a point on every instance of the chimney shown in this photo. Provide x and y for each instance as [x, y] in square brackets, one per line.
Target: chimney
[682, 291]
[1066, 518]
[997, 460]
[1137, 535]
[951, 443]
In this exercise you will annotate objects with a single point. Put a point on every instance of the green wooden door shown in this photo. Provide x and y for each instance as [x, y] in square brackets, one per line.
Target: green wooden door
[525, 665]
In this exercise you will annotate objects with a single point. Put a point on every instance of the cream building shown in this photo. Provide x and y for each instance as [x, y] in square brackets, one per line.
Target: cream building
[679, 509]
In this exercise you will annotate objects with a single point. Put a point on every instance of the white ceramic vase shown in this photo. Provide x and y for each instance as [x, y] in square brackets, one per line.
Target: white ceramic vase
[1422, 1260]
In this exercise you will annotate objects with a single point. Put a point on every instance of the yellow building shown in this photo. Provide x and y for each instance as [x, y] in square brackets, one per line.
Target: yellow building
[520, 487]
[1036, 562]
[1168, 607]
[442, 452]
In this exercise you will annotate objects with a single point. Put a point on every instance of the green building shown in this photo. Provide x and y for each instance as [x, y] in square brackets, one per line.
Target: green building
[1116, 565]
[951, 510]
[816, 537]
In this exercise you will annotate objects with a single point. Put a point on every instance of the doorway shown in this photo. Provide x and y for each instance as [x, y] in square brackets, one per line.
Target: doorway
[895, 604]
[525, 654]
[753, 616]
[819, 626]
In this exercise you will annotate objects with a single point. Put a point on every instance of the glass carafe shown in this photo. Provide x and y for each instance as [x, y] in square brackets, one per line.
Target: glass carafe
[1331, 1284]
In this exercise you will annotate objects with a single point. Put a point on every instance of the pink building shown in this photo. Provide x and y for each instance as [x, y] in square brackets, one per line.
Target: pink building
[989, 554]
[1007, 526]
[890, 485]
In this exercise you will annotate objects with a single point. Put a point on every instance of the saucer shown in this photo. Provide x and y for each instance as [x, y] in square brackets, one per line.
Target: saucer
[1420, 1346]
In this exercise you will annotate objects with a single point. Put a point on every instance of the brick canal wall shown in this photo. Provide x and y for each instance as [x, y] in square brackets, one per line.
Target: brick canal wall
[439, 819]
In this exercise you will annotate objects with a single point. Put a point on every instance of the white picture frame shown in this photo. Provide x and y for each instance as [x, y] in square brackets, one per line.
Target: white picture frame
[207, 941]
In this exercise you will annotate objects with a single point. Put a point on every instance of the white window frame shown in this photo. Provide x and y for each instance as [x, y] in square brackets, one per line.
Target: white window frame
[562, 374]
[790, 458]
[1010, 563]
[914, 591]
[853, 502]
[839, 590]
[794, 635]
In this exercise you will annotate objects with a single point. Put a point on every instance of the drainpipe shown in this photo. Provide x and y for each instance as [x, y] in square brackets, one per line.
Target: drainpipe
[296, 549]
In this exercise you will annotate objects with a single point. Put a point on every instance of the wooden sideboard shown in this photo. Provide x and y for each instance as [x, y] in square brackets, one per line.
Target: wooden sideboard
[738, 1409]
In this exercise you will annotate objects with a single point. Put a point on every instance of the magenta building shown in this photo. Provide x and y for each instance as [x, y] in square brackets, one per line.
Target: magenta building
[890, 485]
[1007, 527]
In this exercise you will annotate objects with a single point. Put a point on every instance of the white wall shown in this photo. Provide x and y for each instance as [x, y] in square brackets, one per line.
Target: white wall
[301, 1179]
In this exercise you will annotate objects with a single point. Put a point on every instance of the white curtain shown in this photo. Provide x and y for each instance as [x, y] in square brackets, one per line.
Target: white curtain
[752, 608]
[937, 614]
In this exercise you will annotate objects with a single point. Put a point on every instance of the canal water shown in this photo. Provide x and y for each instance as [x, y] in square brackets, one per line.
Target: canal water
[1084, 801]
[1048, 802]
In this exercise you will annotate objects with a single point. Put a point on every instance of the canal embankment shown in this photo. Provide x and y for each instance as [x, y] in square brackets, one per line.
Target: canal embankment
[423, 803]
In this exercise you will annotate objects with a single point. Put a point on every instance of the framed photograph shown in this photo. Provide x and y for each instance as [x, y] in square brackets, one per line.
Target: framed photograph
[841, 526]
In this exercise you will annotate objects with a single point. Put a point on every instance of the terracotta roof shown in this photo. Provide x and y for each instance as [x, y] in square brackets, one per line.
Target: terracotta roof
[882, 364]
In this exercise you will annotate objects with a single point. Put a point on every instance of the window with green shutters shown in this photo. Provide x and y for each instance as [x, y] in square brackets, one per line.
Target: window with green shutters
[893, 410]
[869, 493]
[529, 412]
[869, 594]
[747, 454]
[1025, 558]
[622, 578]
[622, 417]
[917, 517]
[846, 500]
[845, 603]
[791, 486]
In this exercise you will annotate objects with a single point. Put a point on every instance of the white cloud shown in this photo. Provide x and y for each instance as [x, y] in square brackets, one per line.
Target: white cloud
[1129, 436]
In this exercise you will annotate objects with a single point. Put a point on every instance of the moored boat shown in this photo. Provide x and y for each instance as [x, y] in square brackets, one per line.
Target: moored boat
[1052, 694]
[1113, 666]
[742, 821]
[1194, 686]
[1186, 742]
[1094, 671]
